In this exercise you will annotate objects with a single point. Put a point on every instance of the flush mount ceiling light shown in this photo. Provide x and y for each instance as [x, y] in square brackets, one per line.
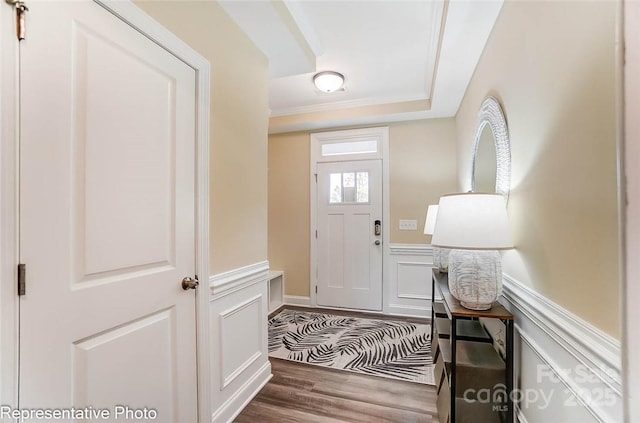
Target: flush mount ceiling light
[328, 81]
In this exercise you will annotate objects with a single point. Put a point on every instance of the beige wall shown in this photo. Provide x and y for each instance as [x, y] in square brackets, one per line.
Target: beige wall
[552, 66]
[239, 122]
[289, 209]
[422, 167]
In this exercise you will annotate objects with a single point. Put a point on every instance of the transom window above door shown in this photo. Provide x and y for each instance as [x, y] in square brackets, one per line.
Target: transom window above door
[349, 187]
[349, 148]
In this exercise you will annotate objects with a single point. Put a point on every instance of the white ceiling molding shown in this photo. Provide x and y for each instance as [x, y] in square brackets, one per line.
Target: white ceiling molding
[435, 41]
[467, 30]
[305, 28]
[273, 29]
[391, 53]
[344, 104]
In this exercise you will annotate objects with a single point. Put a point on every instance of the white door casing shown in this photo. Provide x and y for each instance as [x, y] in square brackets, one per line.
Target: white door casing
[108, 213]
[349, 248]
[339, 146]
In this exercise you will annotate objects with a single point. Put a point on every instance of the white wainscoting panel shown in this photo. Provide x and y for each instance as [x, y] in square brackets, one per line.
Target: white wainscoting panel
[408, 280]
[238, 322]
[237, 352]
[566, 370]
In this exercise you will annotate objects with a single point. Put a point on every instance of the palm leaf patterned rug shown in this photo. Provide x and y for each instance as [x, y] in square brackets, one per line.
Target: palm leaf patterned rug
[387, 348]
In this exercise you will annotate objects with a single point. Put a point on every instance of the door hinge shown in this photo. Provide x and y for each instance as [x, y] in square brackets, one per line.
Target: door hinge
[316, 233]
[22, 279]
[316, 289]
[21, 10]
[316, 175]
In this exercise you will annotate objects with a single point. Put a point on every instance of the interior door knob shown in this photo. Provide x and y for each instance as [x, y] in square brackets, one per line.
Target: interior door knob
[377, 242]
[189, 283]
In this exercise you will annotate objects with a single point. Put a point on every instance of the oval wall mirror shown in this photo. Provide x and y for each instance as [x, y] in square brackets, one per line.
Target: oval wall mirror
[491, 166]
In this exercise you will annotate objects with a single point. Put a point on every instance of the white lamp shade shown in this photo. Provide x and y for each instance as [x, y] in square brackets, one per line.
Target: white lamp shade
[430, 221]
[472, 221]
[328, 81]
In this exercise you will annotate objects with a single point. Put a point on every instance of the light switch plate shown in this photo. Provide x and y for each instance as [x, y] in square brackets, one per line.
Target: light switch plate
[408, 225]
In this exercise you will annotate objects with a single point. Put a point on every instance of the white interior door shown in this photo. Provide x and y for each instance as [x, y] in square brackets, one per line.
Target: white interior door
[107, 217]
[349, 245]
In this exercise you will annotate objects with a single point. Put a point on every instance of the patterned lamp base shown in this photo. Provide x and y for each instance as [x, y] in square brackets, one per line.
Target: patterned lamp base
[475, 277]
[441, 259]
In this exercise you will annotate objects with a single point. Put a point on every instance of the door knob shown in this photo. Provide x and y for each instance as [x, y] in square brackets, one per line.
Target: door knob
[377, 242]
[189, 283]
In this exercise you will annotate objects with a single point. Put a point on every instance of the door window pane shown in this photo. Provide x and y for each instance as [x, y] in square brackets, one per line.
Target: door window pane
[363, 187]
[335, 188]
[349, 187]
[349, 147]
[348, 180]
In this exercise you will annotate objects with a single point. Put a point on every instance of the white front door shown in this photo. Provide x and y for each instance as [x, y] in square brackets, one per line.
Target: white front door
[106, 218]
[349, 243]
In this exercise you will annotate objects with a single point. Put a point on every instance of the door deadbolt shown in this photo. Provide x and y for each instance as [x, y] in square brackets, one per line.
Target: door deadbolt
[189, 283]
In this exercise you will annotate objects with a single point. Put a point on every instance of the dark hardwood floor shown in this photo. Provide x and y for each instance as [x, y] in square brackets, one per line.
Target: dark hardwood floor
[305, 393]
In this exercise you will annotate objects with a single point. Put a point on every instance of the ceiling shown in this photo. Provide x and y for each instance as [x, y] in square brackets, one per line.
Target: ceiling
[402, 60]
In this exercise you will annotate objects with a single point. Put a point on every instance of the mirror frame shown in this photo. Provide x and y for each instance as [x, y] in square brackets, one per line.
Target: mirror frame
[491, 114]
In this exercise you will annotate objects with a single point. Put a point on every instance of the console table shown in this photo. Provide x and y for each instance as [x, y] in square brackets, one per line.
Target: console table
[474, 382]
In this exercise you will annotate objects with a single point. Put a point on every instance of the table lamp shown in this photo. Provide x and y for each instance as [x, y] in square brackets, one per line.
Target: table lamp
[474, 226]
[440, 255]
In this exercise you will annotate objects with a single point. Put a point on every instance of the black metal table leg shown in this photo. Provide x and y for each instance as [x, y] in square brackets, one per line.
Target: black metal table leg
[454, 327]
[510, 340]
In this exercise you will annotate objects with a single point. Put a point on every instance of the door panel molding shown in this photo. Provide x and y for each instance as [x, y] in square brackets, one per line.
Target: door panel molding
[136, 18]
[381, 135]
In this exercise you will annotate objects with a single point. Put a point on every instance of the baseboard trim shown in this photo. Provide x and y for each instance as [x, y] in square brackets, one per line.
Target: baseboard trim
[297, 300]
[408, 310]
[234, 405]
[240, 278]
[566, 344]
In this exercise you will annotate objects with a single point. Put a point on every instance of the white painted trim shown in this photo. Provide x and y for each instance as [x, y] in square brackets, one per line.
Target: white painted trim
[234, 405]
[408, 310]
[348, 104]
[236, 279]
[275, 274]
[560, 373]
[304, 26]
[139, 20]
[315, 140]
[406, 304]
[565, 342]
[410, 249]
[577, 336]
[297, 300]
[8, 208]
[630, 182]
[225, 381]
[386, 213]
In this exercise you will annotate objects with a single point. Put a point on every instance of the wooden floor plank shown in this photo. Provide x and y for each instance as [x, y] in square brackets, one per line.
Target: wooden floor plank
[306, 393]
